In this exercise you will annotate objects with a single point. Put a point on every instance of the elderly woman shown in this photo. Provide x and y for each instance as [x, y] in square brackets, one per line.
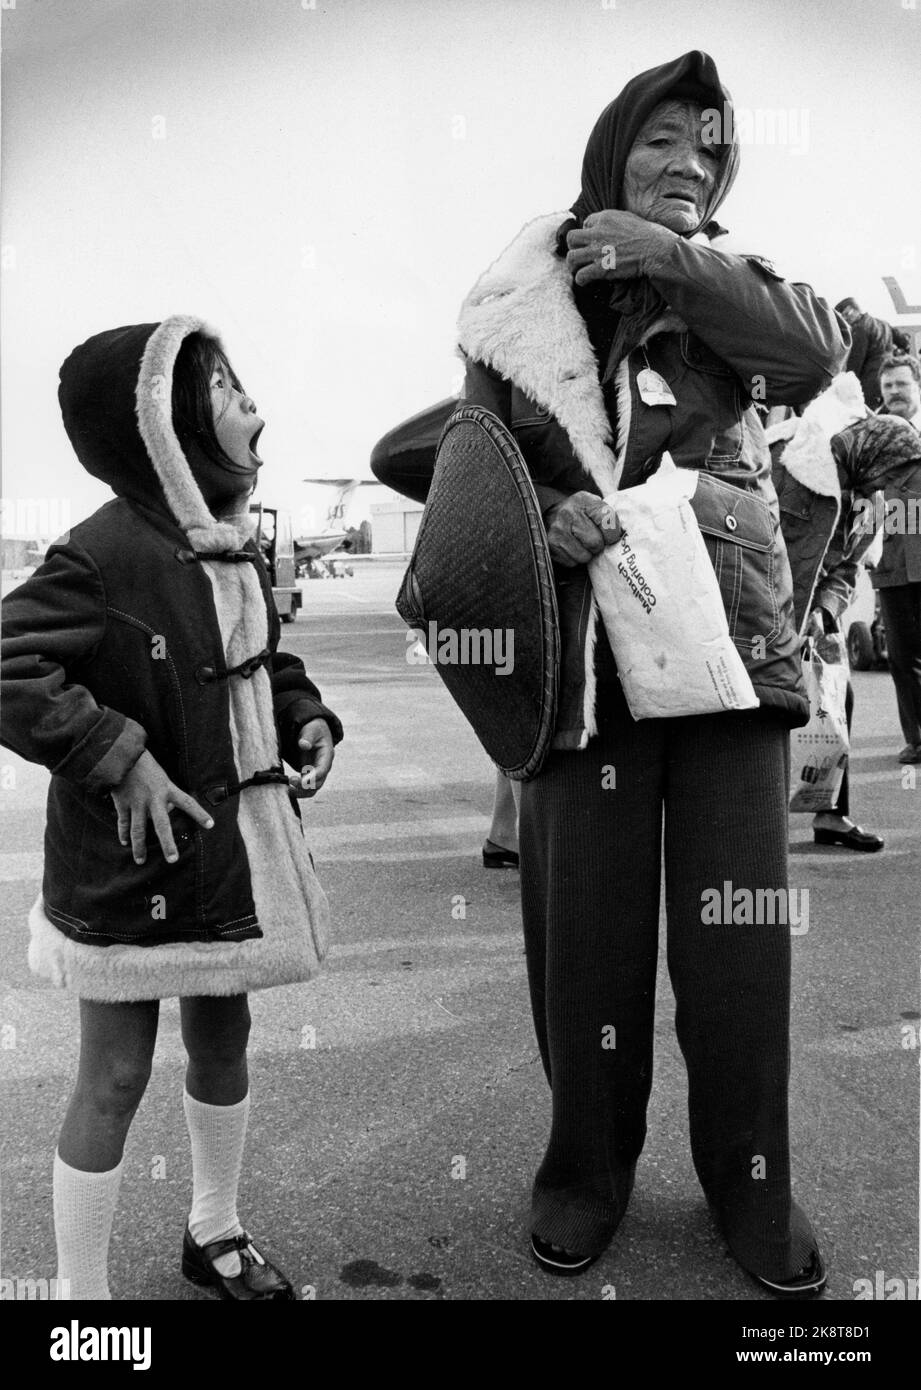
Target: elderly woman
[603, 341]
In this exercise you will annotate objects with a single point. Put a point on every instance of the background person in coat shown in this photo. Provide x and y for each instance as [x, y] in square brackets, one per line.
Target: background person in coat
[898, 574]
[871, 343]
[829, 466]
[603, 338]
[140, 667]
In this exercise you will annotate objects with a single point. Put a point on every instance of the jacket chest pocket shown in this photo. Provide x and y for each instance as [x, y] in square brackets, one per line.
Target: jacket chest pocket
[713, 387]
[526, 413]
[738, 531]
[794, 508]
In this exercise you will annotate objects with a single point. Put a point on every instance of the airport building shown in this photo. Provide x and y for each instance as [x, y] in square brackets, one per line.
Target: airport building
[394, 526]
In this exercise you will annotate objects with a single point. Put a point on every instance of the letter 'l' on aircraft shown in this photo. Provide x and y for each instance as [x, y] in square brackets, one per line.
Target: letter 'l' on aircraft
[907, 316]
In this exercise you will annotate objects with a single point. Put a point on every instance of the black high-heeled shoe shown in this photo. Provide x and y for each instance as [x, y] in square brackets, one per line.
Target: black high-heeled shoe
[495, 857]
[258, 1281]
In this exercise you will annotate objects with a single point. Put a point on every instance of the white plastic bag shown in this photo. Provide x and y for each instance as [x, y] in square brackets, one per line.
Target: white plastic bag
[819, 752]
[662, 608]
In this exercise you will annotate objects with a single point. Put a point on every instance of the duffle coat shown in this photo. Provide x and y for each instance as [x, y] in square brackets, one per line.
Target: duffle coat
[152, 626]
[829, 468]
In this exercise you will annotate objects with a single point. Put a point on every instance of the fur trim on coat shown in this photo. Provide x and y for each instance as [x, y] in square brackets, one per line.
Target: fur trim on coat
[521, 320]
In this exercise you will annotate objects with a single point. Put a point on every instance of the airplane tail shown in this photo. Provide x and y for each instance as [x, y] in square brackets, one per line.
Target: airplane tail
[345, 487]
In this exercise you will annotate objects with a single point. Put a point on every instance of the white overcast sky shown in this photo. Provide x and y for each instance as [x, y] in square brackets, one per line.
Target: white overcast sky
[331, 180]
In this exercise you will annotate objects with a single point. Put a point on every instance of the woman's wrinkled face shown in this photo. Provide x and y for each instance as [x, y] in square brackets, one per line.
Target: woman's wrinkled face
[671, 171]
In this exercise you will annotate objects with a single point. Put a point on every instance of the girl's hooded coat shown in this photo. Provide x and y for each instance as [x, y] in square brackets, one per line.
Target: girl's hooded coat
[152, 625]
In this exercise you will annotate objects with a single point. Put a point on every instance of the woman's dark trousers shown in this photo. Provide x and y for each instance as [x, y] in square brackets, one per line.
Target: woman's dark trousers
[591, 843]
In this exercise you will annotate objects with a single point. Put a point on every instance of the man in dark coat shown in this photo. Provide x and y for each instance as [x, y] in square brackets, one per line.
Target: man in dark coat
[898, 575]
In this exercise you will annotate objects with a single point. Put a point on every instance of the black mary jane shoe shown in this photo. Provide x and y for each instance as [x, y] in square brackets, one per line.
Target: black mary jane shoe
[495, 857]
[855, 838]
[559, 1262]
[808, 1283]
[258, 1280]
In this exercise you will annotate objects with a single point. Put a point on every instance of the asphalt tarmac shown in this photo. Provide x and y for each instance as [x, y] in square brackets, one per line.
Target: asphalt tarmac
[399, 1106]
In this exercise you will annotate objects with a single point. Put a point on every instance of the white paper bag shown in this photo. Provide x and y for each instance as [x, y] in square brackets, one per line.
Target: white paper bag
[819, 752]
[662, 608]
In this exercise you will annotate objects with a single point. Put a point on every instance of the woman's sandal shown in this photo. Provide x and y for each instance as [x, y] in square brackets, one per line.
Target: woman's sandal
[808, 1283]
[553, 1260]
[258, 1279]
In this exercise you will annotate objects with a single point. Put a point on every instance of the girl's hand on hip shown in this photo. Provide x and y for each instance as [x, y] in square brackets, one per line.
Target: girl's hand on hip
[146, 791]
[317, 753]
[616, 246]
[580, 528]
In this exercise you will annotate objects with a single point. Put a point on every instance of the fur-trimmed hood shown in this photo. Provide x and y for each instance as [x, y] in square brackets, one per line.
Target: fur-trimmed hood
[116, 395]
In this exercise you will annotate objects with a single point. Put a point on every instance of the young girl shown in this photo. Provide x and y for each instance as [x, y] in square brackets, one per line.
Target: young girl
[140, 667]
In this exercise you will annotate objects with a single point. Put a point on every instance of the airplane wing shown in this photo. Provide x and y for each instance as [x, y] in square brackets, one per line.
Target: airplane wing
[344, 484]
[313, 547]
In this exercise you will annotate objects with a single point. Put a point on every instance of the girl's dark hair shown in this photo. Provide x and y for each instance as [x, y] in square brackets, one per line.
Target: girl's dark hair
[193, 416]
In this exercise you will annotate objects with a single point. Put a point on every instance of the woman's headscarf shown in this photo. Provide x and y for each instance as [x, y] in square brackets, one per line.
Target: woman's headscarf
[692, 77]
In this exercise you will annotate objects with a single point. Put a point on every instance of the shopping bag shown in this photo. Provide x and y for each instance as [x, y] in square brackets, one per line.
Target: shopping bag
[661, 605]
[819, 751]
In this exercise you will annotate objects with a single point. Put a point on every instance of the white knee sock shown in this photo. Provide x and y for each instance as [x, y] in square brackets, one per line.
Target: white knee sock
[218, 1133]
[84, 1205]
